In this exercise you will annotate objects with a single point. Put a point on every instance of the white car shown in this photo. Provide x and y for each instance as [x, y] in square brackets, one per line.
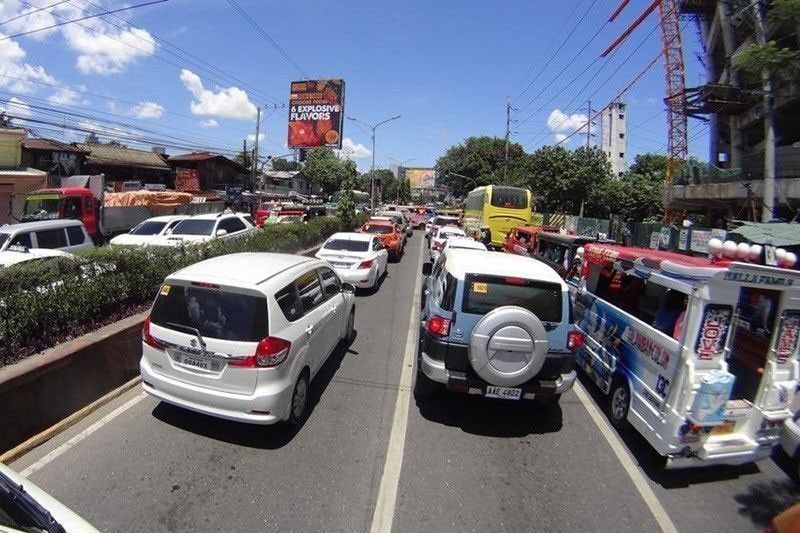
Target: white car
[440, 238]
[60, 234]
[26, 507]
[205, 228]
[19, 254]
[148, 231]
[358, 258]
[240, 336]
[463, 243]
[432, 226]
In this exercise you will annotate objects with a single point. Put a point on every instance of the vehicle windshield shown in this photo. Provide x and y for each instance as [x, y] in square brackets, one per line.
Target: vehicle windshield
[377, 228]
[509, 197]
[42, 207]
[214, 313]
[444, 221]
[485, 293]
[3, 239]
[148, 227]
[345, 245]
[194, 227]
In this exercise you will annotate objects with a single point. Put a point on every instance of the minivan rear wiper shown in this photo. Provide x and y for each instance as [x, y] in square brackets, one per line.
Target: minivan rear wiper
[190, 329]
[16, 495]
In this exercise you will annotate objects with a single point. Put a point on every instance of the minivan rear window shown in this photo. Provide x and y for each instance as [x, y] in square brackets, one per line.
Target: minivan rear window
[485, 293]
[215, 313]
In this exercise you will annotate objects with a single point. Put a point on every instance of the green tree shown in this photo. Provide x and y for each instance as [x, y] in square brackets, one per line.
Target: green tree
[389, 183]
[326, 171]
[772, 58]
[404, 195]
[243, 158]
[282, 164]
[480, 158]
[637, 196]
[346, 209]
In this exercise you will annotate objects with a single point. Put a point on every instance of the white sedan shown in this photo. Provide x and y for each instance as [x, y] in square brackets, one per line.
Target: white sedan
[21, 254]
[148, 230]
[440, 238]
[358, 258]
[464, 243]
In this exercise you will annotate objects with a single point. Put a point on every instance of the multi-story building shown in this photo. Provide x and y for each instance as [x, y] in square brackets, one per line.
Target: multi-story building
[744, 147]
[613, 136]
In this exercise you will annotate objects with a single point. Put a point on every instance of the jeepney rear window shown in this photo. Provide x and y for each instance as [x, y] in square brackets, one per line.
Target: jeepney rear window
[484, 293]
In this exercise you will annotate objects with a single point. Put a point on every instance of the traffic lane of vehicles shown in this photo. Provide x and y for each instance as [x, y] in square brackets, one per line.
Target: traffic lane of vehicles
[156, 467]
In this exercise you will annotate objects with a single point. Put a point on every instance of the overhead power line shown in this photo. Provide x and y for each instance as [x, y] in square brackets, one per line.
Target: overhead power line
[283, 53]
[86, 17]
[36, 10]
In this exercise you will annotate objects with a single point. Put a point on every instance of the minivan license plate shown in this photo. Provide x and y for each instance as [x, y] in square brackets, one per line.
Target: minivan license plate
[504, 393]
[196, 363]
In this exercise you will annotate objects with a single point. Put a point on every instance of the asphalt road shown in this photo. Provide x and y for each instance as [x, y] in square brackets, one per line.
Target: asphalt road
[468, 464]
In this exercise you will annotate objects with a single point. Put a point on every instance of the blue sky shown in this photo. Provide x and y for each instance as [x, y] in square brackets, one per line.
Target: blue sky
[446, 67]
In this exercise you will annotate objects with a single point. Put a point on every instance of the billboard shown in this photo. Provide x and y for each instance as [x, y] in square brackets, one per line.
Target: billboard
[420, 178]
[316, 113]
[187, 179]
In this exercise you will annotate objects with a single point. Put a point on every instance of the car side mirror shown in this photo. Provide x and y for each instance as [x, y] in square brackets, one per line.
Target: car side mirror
[427, 268]
[221, 232]
[348, 287]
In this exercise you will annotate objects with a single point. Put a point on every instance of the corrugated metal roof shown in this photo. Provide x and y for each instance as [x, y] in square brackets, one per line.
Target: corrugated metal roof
[108, 154]
[194, 156]
[780, 233]
[49, 145]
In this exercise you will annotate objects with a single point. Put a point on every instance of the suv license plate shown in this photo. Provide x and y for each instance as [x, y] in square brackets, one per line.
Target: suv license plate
[504, 393]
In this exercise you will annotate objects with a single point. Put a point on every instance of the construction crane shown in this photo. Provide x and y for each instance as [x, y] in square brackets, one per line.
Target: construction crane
[677, 140]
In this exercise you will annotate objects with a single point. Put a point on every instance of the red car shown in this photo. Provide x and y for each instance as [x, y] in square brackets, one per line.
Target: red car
[522, 239]
[389, 233]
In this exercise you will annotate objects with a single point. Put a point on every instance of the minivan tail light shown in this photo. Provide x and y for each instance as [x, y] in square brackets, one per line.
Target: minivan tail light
[439, 326]
[574, 340]
[366, 264]
[270, 352]
[148, 338]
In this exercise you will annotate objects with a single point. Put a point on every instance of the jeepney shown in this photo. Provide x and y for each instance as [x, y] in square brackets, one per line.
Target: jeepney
[700, 355]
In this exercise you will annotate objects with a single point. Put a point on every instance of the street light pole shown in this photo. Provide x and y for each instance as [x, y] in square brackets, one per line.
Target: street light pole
[373, 127]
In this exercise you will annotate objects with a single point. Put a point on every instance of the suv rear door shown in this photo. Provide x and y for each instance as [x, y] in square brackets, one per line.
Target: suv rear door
[229, 320]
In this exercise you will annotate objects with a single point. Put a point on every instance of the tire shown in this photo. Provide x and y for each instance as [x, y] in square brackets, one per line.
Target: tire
[424, 387]
[298, 409]
[619, 403]
[350, 332]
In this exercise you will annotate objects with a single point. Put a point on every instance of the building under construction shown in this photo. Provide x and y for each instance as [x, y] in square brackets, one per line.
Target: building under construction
[754, 121]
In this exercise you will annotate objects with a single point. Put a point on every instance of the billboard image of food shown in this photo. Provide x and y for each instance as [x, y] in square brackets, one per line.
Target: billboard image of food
[316, 113]
[420, 178]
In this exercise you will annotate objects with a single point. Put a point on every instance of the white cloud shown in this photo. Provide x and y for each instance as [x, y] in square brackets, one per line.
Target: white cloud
[27, 20]
[251, 138]
[65, 96]
[232, 102]
[17, 75]
[562, 124]
[147, 110]
[210, 123]
[107, 50]
[16, 107]
[353, 150]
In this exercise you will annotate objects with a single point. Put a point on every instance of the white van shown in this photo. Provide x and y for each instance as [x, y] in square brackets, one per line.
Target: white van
[62, 234]
[698, 354]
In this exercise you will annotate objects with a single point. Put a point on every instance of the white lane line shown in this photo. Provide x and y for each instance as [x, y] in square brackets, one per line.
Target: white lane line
[41, 463]
[649, 497]
[387, 493]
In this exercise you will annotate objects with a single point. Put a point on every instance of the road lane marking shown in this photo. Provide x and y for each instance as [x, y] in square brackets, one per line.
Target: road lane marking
[41, 463]
[647, 494]
[387, 493]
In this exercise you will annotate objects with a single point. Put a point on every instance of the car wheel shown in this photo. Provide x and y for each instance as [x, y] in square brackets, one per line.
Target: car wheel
[298, 410]
[619, 403]
[424, 387]
[350, 333]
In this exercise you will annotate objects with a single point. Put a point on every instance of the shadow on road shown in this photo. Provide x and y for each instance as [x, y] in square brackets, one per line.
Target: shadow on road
[490, 417]
[263, 437]
[373, 290]
[765, 499]
[653, 464]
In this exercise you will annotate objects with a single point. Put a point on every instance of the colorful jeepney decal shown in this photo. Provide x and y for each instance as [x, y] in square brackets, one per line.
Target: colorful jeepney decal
[788, 336]
[618, 342]
[713, 331]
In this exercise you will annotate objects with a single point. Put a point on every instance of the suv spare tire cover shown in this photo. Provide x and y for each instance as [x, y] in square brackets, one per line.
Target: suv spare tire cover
[508, 346]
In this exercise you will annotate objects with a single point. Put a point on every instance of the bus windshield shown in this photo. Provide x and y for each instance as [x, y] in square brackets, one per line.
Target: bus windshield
[509, 197]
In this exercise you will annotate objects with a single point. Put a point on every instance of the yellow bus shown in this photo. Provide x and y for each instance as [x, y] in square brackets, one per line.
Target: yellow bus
[500, 208]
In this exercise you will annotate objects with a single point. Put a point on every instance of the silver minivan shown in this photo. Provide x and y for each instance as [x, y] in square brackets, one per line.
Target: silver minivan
[65, 235]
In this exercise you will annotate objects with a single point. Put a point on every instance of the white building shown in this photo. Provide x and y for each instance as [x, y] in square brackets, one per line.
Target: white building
[613, 136]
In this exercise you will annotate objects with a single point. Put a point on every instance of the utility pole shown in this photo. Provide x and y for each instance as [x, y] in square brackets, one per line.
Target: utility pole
[768, 205]
[588, 124]
[254, 166]
[508, 134]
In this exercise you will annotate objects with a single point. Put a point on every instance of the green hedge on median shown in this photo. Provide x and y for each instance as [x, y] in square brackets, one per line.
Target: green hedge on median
[44, 304]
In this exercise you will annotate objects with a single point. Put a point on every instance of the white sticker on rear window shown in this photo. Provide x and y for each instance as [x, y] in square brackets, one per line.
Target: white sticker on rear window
[480, 288]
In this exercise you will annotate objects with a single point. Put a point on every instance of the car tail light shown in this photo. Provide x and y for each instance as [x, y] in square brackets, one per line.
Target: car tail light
[574, 340]
[366, 264]
[148, 338]
[270, 352]
[439, 326]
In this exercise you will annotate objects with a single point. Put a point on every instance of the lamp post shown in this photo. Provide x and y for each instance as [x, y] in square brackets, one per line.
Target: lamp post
[373, 127]
[399, 166]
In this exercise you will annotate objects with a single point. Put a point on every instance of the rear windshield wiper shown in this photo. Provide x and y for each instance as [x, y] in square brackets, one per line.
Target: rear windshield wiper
[190, 329]
[16, 495]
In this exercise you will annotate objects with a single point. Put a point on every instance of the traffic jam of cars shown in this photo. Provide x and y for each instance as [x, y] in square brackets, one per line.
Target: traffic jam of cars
[697, 354]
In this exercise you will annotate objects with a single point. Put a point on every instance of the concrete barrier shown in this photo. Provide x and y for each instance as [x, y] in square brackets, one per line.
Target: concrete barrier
[43, 390]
